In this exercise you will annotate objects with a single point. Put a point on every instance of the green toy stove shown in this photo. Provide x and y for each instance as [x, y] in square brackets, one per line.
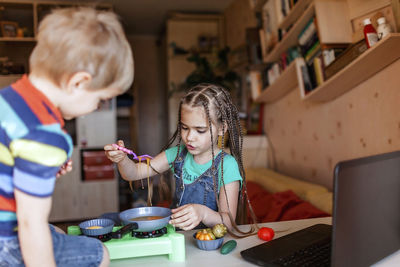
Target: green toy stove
[137, 244]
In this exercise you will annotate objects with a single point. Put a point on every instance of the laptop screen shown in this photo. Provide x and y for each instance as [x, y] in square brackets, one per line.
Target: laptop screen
[366, 215]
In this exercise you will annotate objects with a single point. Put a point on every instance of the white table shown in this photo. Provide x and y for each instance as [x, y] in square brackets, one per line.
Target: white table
[197, 257]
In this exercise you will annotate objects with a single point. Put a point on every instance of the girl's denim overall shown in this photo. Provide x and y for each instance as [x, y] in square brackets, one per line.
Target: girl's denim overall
[201, 191]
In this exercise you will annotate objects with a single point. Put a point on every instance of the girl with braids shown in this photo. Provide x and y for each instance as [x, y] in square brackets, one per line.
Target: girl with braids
[208, 180]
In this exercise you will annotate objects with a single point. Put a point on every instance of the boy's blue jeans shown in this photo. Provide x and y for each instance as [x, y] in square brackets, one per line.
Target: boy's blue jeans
[68, 251]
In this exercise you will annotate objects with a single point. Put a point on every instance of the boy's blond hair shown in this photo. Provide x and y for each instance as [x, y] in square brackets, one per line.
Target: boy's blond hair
[72, 40]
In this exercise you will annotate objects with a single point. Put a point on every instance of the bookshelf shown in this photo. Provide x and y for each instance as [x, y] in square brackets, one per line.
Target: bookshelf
[22, 18]
[286, 82]
[291, 38]
[332, 31]
[28, 13]
[294, 14]
[366, 65]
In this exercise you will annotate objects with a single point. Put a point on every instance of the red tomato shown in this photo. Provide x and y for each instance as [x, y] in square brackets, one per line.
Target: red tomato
[266, 233]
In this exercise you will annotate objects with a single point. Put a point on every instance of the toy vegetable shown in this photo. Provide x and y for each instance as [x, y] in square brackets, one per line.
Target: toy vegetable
[205, 234]
[219, 230]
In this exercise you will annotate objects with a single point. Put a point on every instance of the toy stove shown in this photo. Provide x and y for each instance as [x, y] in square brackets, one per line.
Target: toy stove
[138, 244]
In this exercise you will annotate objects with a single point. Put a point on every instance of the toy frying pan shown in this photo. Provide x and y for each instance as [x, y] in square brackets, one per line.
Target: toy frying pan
[147, 218]
[102, 229]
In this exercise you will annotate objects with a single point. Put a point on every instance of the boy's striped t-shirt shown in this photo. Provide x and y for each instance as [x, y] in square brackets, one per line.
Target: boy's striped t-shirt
[33, 146]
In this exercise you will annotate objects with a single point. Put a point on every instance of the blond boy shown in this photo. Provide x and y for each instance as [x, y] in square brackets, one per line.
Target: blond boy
[81, 57]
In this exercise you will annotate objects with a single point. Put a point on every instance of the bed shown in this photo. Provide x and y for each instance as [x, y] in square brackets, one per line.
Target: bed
[277, 197]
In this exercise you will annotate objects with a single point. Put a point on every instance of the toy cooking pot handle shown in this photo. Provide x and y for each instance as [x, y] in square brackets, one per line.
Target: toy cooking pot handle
[121, 232]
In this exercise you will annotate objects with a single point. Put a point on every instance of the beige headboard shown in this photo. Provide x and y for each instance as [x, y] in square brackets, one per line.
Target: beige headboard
[310, 138]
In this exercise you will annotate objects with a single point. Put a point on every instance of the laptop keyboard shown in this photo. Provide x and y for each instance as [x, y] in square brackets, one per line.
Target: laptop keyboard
[318, 254]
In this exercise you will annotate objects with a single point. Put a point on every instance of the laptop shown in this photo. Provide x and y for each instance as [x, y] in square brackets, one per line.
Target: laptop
[365, 226]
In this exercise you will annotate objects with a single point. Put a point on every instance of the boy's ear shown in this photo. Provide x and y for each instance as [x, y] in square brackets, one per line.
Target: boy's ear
[78, 81]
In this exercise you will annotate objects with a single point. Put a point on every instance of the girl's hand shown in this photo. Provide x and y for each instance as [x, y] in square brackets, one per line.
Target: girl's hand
[187, 216]
[67, 167]
[113, 153]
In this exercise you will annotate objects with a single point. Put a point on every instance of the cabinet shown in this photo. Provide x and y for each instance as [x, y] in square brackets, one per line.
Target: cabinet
[19, 22]
[26, 15]
[332, 28]
[18, 15]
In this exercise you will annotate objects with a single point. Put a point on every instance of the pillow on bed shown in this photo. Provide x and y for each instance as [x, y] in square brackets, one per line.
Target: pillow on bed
[275, 182]
[321, 200]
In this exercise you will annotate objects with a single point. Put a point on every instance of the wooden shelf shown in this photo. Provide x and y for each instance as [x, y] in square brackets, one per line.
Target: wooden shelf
[17, 39]
[294, 14]
[365, 66]
[286, 82]
[291, 38]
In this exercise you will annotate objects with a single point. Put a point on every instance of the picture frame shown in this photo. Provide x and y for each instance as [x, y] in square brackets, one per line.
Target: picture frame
[8, 28]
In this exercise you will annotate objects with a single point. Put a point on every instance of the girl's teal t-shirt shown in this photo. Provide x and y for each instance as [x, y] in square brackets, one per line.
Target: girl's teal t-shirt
[192, 170]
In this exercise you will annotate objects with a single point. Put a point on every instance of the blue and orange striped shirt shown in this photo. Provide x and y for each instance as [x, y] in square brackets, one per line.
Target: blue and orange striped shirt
[33, 147]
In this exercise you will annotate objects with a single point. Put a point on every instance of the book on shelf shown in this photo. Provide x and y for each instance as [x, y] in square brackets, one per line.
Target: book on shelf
[312, 75]
[256, 83]
[264, 78]
[303, 76]
[270, 25]
[314, 68]
[284, 60]
[307, 32]
[318, 65]
[287, 5]
[313, 52]
[293, 53]
[309, 43]
[287, 57]
[264, 48]
[278, 12]
[273, 73]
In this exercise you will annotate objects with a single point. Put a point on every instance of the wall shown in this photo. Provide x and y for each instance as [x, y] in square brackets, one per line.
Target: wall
[310, 138]
[238, 17]
[150, 92]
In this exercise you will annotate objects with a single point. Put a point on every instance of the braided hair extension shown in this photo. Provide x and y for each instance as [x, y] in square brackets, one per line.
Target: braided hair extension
[216, 99]
[229, 116]
[234, 120]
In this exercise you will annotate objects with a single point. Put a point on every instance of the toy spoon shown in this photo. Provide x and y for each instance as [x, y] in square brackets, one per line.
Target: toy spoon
[128, 151]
